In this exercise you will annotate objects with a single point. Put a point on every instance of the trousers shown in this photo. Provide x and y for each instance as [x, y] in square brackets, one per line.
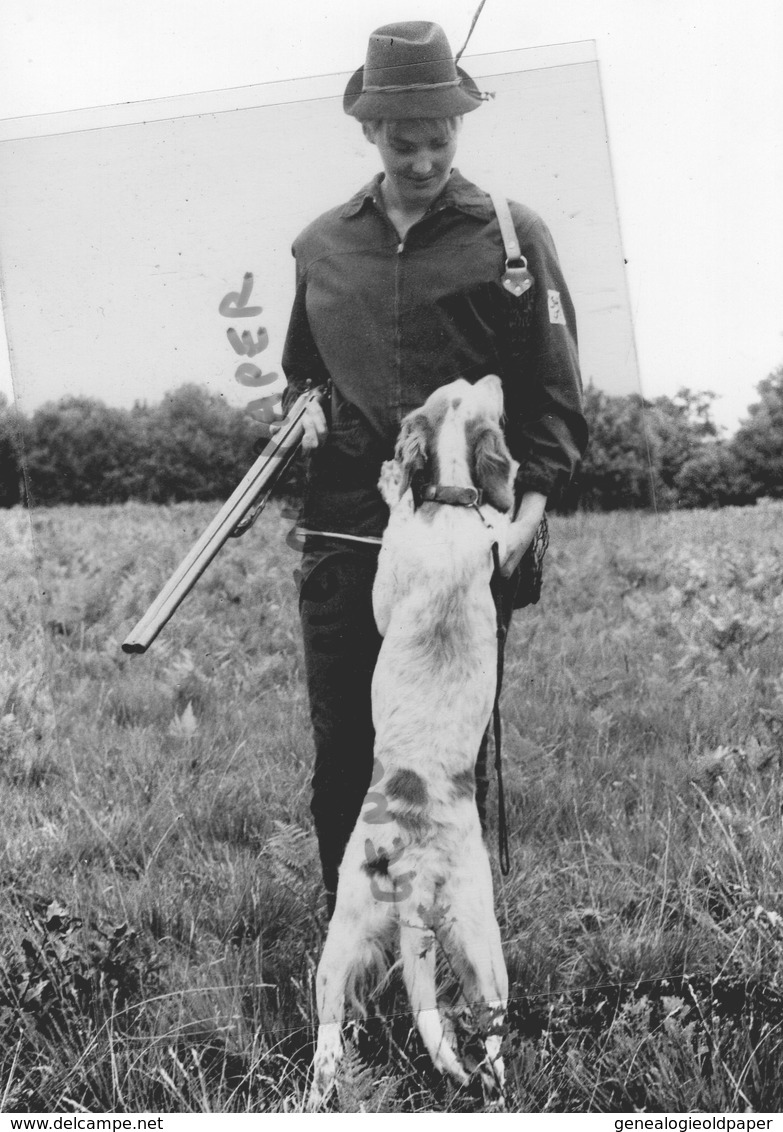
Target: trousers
[341, 646]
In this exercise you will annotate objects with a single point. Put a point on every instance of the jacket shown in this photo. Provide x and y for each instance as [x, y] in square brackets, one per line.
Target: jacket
[388, 321]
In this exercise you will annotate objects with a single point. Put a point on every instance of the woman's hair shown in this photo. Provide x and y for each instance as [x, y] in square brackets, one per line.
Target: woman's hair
[381, 125]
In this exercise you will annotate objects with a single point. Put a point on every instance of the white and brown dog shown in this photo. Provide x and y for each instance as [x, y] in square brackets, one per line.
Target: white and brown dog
[416, 864]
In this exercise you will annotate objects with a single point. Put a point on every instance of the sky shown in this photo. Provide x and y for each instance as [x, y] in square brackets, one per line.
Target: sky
[692, 93]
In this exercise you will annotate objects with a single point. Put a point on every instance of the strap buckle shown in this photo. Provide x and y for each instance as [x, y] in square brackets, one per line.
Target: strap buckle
[516, 278]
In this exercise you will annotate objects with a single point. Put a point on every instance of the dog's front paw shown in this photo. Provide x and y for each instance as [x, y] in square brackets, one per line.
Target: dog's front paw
[390, 483]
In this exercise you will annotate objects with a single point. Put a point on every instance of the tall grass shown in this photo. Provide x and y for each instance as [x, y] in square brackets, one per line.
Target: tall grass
[161, 915]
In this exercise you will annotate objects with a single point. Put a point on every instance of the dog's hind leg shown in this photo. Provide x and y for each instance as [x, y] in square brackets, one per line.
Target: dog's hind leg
[354, 943]
[485, 987]
[331, 980]
[474, 948]
[417, 948]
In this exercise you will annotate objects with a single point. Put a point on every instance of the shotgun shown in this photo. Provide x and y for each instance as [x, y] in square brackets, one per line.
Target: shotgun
[237, 514]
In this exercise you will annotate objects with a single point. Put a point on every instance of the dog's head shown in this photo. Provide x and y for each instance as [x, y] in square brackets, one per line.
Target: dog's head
[456, 438]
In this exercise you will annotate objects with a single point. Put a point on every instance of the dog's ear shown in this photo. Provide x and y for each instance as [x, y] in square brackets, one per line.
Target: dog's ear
[412, 451]
[390, 483]
[492, 466]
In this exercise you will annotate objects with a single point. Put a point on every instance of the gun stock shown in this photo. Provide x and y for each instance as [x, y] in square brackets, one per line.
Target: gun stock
[254, 490]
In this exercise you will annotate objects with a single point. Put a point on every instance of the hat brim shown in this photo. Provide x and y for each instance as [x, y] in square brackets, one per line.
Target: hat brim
[443, 102]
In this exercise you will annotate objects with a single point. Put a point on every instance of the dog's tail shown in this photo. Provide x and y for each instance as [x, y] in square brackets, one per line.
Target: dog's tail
[417, 948]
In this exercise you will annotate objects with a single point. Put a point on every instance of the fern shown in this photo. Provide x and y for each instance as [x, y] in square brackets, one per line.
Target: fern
[292, 860]
[291, 854]
[361, 1088]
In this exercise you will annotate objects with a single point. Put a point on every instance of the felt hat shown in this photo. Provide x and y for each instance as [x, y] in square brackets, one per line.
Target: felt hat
[410, 72]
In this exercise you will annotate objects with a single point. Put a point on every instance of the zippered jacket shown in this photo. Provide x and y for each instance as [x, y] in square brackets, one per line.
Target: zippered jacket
[389, 321]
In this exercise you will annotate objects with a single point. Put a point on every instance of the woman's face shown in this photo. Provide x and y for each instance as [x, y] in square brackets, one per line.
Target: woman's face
[417, 156]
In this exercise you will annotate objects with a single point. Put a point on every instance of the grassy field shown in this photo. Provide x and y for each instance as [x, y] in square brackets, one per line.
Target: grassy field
[160, 911]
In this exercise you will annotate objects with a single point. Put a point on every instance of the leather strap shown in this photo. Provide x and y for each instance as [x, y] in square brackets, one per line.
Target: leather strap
[507, 230]
[516, 279]
[370, 540]
[454, 496]
[495, 585]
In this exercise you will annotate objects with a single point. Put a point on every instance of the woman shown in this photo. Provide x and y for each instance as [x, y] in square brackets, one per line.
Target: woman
[400, 291]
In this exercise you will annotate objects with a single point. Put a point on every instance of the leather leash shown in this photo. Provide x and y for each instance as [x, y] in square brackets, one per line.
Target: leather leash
[495, 586]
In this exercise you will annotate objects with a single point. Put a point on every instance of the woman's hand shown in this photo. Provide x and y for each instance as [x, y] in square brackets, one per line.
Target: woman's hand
[313, 423]
[522, 531]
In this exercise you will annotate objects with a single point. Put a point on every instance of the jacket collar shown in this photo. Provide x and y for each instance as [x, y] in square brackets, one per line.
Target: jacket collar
[459, 193]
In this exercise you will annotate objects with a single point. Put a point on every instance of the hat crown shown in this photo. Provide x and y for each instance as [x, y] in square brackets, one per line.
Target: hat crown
[407, 54]
[410, 72]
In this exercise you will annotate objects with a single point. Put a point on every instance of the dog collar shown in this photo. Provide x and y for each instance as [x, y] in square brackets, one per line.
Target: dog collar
[453, 496]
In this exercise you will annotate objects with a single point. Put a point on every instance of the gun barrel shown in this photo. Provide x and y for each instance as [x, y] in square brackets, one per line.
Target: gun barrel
[258, 478]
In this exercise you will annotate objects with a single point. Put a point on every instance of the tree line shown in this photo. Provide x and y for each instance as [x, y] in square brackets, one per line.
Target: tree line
[190, 446]
[666, 452]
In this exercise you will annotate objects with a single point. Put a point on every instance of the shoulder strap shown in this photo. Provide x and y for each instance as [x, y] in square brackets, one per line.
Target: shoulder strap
[516, 279]
[507, 230]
